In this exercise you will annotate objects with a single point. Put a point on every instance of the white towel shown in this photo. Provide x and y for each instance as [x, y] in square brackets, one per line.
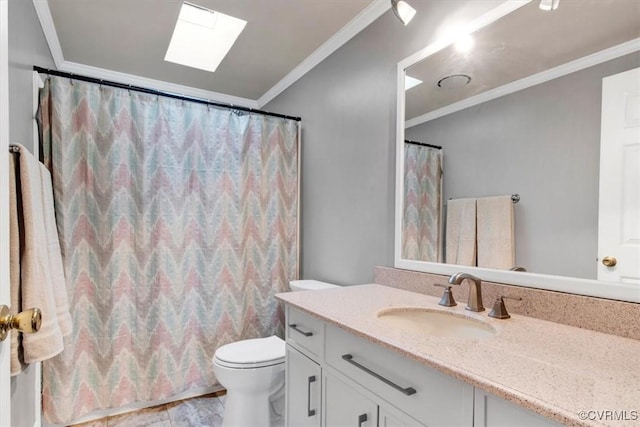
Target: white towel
[39, 279]
[58, 280]
[461, 232]
[496, 242]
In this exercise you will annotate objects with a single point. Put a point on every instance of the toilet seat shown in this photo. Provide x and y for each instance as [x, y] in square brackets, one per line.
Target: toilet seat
[252, 353]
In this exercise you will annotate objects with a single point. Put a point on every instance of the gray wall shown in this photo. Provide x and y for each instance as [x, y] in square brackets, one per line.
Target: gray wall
[544, 144]
[27, 47]
[348, 109]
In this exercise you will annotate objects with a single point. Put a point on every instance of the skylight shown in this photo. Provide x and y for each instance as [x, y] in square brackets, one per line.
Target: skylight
[410, 82]
[202, 37]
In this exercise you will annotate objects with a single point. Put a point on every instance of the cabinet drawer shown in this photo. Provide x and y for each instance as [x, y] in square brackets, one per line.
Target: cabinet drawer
[305, 332]
[429, 396]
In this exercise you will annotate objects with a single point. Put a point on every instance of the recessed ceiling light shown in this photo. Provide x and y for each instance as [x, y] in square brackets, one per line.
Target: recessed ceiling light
[410, 82]
[202, 37]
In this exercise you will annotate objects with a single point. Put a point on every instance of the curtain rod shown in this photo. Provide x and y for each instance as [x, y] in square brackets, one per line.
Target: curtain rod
[424, 144]
[158, 92]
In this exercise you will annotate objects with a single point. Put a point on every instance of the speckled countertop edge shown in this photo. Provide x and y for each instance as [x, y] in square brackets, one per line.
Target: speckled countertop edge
[323, 305]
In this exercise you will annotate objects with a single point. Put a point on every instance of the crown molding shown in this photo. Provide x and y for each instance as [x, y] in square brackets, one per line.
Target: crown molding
[346, 33]
[357, 24]
[533, 80]
[49, 29]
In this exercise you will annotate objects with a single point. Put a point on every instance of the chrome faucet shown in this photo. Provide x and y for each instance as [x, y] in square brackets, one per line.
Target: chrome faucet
[474, 302]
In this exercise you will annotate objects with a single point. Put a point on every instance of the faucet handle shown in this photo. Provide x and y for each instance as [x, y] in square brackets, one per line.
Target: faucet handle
[447, 298]
[499, 310]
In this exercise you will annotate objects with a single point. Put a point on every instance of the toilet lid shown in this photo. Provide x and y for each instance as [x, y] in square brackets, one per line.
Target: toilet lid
[252, 353]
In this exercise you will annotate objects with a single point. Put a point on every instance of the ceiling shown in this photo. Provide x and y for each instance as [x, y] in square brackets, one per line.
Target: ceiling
[132, 36]
[523, 43]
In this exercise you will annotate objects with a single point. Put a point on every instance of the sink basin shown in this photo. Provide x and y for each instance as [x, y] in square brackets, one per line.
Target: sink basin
[436, 323]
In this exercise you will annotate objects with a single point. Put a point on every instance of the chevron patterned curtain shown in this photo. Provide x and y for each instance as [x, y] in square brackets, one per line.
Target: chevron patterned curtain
[178, 224]
[422, 213]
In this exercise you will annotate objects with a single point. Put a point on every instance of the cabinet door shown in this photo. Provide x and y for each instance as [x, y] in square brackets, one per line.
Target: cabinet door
[392, 418]
[345, 407]
[492, 411]
[303, 390]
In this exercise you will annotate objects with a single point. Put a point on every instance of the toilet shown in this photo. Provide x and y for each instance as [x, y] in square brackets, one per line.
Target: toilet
[252, 371]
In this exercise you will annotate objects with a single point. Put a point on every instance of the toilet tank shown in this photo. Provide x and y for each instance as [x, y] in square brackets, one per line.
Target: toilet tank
[309, 285]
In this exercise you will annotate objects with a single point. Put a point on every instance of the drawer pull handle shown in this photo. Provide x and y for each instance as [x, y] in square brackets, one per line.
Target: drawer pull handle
[362, 419]
[310, 412]
[295, 328]
[408, 391]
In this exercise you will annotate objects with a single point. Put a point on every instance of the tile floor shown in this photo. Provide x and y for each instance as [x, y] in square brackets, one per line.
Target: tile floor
[203, 411]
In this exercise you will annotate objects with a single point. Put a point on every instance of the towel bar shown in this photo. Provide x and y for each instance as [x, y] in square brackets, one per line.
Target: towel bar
[515, 198]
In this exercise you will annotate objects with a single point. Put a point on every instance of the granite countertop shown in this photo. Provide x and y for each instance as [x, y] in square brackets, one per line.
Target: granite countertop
[561, 372]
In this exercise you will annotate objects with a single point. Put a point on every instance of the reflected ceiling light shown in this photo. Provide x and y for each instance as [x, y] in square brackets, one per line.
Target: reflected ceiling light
[464, 44]
[454, 81]
[549, 4]
[403, 11]
[410, 82]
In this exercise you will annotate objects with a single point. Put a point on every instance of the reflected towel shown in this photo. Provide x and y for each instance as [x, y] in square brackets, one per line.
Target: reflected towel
[36, 263]
[496, 242]
[461, 232]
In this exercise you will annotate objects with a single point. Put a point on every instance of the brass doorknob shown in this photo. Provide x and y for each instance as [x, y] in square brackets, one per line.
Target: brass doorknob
[609, 261]
[27, 321]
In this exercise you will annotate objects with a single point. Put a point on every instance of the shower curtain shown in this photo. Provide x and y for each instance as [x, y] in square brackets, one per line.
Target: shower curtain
[177, 223]
[422, 213]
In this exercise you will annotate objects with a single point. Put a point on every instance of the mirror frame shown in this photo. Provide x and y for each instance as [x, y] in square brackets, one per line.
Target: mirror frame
[573, 285]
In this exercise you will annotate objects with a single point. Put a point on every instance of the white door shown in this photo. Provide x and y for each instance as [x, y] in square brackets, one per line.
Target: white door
[619, 211]
[5, 397]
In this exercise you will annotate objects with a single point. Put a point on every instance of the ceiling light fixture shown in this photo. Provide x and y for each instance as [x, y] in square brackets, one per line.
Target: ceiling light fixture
[202, 37]
[549, 4]
[403, 11]
[464, 44]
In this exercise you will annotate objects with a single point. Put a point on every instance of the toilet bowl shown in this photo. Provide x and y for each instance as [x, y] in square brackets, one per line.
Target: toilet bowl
[252, 371]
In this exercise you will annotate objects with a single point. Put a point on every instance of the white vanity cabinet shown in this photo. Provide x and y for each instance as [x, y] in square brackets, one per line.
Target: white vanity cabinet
[336, 378]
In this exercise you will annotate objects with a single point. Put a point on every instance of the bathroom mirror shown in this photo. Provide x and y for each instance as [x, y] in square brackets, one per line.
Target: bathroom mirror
[514, 100]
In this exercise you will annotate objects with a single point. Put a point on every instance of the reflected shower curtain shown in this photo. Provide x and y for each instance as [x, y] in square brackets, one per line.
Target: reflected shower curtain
[177, 223]
[422, 213]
